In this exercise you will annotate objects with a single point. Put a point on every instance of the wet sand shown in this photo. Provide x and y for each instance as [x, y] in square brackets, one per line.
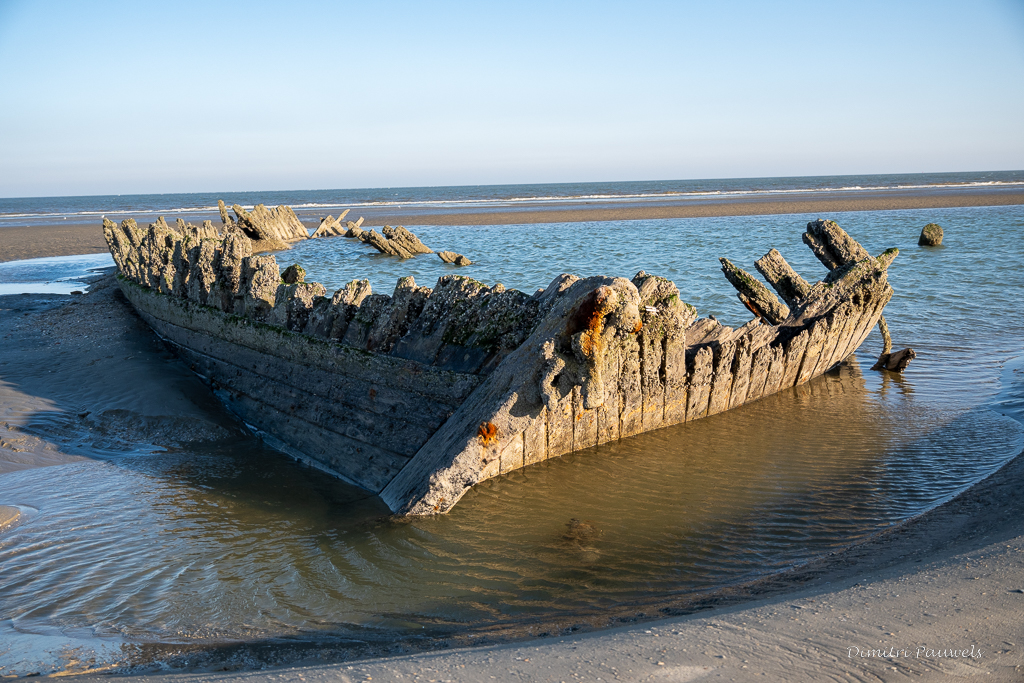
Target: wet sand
[23, 242]
[38, 241]
[951, 579]
[64, 360]
[572, 212]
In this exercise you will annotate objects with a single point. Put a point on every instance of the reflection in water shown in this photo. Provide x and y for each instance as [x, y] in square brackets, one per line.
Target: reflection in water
[892, 381]
[138, 556]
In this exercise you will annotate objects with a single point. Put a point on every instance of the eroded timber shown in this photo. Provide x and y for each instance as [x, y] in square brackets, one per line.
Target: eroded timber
[419, 394]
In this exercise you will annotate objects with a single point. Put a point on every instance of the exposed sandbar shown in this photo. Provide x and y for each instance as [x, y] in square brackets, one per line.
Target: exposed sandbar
[39, 241]
[689, 208]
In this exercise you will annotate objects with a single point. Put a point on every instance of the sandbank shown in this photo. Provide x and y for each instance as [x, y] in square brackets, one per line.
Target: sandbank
[24, 242]
[949, 580]
[39, 241]
[759, 205]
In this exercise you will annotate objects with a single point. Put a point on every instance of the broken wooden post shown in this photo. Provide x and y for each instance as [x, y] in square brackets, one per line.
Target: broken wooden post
[780, 275]
[832, 245]
[754, 295]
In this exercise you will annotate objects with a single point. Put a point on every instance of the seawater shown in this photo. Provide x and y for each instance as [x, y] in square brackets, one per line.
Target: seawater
[234, 555]
[312, 203]
[54, 275]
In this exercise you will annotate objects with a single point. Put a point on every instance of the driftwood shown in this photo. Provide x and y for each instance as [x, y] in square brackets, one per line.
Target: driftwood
[418, 395]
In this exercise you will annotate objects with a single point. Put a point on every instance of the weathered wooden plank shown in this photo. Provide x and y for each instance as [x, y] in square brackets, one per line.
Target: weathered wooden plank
[512, 455]
[844, 348]
[699, 329]
[840, 324]
[608, 414]
[374, 397]
[759, 365]
[780, 275]
[819, 335]
[297, 348]
[773, 382]
[490, 463]
[652, 387]
[754, 295]
[795, 349]
[741, 371]
[718, 334]
[630, 394]
[832, 245]
[393, 435]
[535, 439]
[867, 321]
[559, 427]
[584, 423]
[365, 465]
[699, 384]
[722, 377]
[675, 379]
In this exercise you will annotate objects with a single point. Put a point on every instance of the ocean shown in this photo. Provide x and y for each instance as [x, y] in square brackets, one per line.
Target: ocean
[47, 210]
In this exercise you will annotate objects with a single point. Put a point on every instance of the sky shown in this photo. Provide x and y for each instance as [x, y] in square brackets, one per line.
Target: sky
[129, 97]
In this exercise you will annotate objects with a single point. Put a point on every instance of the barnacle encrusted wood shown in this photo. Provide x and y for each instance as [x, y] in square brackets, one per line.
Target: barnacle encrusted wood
[420, 394]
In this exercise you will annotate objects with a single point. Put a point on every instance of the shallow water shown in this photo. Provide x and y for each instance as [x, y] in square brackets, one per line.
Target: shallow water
[310, 204]
[54, 275]
[144, 555]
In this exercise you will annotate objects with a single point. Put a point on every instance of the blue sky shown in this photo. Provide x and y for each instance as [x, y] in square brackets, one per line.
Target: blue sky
[109, 97]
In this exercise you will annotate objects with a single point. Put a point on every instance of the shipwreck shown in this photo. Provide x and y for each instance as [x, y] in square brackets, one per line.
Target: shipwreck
[418, 395]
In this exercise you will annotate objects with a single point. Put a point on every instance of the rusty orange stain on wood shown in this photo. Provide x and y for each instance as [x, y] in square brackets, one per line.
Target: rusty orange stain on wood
[750, 307]
[589, 318]
[487, 432]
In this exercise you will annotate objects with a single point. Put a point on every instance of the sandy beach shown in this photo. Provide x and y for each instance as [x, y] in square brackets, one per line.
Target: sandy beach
[24, 242]
[38, 241]
[899, 606]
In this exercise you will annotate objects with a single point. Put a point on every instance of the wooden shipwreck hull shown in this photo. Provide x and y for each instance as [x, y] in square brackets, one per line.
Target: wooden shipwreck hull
[419, 395]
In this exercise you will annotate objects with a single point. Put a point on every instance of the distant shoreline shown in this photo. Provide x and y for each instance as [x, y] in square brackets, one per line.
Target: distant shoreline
[23, 242]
